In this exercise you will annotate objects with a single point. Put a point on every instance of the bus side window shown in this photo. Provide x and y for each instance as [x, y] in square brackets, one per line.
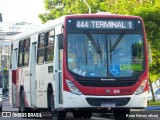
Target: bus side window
[26, 51]
[20, 54]
[41, 48]
[23, 54]
[50, 46]
[11, 56]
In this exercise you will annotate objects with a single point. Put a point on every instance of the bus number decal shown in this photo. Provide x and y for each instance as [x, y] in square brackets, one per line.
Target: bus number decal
[116, 91]
[79, 72]
[130, 24]
[104, 24]
[82, 24]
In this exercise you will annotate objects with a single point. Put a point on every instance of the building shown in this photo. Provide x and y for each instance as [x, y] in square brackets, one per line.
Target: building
[7, 31]
[1, 17]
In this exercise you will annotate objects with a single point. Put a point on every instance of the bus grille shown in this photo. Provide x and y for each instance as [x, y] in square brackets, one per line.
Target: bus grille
[98, 83]
[99, 101]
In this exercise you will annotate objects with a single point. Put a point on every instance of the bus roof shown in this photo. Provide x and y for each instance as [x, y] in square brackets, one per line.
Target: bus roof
[60, 21]
[39, 29]
[103, 15]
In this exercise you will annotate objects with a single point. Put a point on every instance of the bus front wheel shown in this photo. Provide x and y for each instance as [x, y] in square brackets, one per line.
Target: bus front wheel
[56, 115]
[82, 114]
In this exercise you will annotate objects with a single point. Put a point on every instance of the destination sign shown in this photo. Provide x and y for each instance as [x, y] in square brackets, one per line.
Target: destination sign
[104, 24]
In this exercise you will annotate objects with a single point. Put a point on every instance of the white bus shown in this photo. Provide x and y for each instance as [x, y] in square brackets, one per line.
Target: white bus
[81, 63]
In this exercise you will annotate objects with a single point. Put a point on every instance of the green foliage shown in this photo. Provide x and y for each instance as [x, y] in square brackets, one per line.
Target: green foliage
[57, 8]
[149, 10]
[152, 103]
[5, 70]
[154, 67]
[151, 14]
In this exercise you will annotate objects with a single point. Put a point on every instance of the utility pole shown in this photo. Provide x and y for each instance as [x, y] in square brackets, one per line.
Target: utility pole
[152, 91]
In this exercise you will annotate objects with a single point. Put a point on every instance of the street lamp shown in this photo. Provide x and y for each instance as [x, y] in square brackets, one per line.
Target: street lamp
[89, 8]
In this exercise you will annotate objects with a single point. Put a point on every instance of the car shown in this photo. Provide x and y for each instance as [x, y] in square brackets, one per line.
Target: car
[156, 93]
[1, 99]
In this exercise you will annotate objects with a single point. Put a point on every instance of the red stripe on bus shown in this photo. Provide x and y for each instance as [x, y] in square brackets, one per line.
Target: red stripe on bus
[14, 76]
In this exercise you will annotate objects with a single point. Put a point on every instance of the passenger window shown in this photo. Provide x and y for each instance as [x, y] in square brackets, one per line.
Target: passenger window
[20, 54]
[50, 46]
[11, 56]
[46, 47]
[41, 48]
[26, 51]
[23, 54]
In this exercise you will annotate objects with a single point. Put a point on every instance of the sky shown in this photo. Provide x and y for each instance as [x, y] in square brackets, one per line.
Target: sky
[22, 10]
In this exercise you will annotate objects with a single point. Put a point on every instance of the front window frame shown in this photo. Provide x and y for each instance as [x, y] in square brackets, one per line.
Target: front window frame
[107, 32]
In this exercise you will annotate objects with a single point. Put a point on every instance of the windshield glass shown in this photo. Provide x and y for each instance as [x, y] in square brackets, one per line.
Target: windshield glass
[105, 55]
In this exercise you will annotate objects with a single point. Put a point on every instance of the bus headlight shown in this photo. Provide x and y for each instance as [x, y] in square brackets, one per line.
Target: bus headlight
[141, 88]
[73, 88]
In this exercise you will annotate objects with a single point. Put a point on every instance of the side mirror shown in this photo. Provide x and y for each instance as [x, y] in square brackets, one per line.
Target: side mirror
[60, 41]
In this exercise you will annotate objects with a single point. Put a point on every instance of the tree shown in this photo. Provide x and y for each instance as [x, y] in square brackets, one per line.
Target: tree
[149, 10]
[57, 8]
[151, 14]
[5, 78]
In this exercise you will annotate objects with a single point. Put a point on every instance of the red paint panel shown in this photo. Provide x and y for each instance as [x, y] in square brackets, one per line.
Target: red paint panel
[18, 74]
[14, 77]
[25, 100]
[17, 90]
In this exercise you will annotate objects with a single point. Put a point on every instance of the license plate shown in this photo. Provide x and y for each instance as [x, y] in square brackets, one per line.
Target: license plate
[108, 104]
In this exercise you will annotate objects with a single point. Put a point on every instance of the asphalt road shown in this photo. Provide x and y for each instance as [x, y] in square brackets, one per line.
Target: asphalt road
[151, 113]
[7, 110]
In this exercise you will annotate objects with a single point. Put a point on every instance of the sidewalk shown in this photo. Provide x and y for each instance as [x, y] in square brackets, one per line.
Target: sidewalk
[153, 108]
[7, 107]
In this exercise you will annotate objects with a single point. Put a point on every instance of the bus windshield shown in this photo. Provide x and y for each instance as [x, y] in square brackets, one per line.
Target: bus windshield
[105, 55]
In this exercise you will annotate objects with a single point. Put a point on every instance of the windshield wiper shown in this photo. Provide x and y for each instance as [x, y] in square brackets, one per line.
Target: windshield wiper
[117, 41]
[97, 47]
[85, 52]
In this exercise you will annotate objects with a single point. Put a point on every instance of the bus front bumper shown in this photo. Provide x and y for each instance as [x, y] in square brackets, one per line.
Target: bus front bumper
[71, 100]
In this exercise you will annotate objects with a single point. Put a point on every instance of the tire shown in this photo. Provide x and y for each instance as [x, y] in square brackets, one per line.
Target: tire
[121, 113]
[56, 115]
[52, 105]
[1, 109]
[87, 114]
[59, 115]
[49, 95]
[77, 114]
[22, 103]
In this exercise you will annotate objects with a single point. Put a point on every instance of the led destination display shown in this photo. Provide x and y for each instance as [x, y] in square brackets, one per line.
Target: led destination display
[104, 24]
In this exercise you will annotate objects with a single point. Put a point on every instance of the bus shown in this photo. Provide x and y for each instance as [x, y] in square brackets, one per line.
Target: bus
[81, 64]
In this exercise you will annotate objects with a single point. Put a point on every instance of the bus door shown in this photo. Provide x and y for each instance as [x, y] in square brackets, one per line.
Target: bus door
[14, 74]
[32, 74]
[60, 75]
[58, 72]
